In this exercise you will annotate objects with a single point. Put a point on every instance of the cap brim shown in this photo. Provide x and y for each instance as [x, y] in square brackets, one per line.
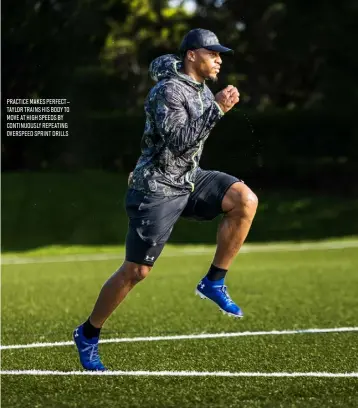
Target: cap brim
[220, 48]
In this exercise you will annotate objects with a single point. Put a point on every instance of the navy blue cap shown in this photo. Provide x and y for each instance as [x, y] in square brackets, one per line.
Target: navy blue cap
[200, 38]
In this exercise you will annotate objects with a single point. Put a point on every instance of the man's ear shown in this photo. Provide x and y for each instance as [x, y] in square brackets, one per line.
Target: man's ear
[190, 55]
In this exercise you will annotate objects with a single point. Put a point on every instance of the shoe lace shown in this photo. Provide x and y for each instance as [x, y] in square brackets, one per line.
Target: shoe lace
[93, 353]
[228, 299]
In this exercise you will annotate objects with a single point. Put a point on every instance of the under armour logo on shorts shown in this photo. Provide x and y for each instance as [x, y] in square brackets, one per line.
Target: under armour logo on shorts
[149, 258]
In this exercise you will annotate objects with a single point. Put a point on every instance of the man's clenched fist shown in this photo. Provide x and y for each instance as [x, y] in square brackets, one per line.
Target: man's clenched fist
[227, 98]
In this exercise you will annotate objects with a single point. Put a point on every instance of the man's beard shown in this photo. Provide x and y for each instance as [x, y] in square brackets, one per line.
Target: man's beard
[213, 78]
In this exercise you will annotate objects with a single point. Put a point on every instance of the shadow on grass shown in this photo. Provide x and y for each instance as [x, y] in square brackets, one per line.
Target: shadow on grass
[88, 209]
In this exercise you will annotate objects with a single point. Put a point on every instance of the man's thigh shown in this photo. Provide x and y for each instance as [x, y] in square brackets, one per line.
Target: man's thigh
[151, 221]
[205, 202]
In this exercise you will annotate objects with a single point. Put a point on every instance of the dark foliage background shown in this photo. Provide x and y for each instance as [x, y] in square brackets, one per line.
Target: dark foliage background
[295, 65]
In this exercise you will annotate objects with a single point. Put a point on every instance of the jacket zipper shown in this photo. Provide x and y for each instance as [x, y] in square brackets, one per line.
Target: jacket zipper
[199, 148]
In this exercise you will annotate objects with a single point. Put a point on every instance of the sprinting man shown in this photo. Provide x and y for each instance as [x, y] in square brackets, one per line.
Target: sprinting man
[167, 183]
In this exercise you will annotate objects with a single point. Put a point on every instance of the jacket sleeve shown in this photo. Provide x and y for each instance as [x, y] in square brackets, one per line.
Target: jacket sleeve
[173, 123]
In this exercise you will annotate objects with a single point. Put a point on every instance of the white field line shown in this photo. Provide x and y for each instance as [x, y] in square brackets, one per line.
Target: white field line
[178, 373]
[194, 251]
[188, 337]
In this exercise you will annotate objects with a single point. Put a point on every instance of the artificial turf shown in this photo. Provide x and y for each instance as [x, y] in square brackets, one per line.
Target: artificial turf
[43, 302]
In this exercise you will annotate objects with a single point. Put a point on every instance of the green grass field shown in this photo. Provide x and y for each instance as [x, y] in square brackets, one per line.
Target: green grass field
[278, 290]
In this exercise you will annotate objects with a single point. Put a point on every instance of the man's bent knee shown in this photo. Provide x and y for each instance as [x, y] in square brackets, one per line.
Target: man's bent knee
[240, 198]
[136, 272]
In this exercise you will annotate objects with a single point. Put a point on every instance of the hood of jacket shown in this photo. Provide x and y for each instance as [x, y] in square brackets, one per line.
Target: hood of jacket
[169, 66]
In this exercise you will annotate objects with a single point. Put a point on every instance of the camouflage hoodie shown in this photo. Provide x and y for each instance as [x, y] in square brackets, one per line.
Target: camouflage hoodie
[180, 114]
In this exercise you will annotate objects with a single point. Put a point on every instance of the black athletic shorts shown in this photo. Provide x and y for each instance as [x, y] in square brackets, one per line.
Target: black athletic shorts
[152, 217]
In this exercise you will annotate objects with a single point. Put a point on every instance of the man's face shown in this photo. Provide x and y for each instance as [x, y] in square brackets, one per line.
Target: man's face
[206, 63]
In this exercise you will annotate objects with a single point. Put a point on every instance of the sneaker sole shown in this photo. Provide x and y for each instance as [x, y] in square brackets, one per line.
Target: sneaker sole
[222, 310]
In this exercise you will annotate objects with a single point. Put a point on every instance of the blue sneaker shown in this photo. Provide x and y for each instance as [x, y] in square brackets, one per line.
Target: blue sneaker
[88, 351]
[217, 292]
